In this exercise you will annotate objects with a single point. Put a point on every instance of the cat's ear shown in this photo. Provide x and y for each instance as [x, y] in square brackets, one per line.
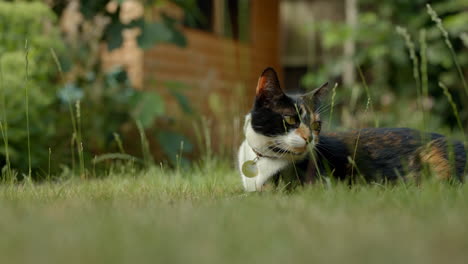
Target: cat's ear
[316, 95]
[268, 84]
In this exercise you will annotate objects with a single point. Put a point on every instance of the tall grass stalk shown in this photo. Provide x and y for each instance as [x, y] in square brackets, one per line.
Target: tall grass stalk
[4, 122]
[369, 104]
[79, 140]
[7, 176]
[457, 116]
[454, 107]
[26, 84]
[70, 110]
[203, 137]
[332, 104]
[366, 110]
[416, 68]
[115, 156]
[2, 131]
[48, 171]
[424, 80]
[118, 140]
[72, 151]
[445, 34]
[145, 151]
[423, 53]
[94, 166]
[354, 153]
[412, 52]
[179, 158]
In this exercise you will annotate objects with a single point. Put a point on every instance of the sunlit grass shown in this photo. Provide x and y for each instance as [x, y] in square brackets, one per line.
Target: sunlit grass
[202, 215]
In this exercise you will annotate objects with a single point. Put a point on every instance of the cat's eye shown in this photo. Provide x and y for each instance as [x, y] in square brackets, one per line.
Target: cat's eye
[316, 125]
[290, 120]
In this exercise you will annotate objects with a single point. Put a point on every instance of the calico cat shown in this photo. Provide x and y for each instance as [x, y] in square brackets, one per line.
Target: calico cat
[283, 138]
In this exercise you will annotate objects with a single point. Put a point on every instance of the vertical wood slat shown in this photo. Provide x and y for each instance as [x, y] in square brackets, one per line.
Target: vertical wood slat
[218, 15]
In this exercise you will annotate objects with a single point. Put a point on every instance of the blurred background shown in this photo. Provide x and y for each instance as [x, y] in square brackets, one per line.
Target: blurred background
[168, 82]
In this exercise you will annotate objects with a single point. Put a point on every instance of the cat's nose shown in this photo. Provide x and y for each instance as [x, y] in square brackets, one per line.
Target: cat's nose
[304, 132]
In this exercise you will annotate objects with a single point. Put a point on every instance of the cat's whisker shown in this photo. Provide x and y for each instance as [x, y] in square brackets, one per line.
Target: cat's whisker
[284, 153]
[321, 154]
[323, 106]
[323, 109]
[322, 147]
[330, 149]
[272, 145]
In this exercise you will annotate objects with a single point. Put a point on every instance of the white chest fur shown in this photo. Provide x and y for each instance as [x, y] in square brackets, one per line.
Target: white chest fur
[267, 167]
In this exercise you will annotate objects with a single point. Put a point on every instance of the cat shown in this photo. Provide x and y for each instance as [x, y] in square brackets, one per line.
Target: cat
[283, 139]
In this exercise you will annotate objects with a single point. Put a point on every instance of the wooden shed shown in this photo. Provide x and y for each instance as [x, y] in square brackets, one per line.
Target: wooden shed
[214, 60]
[220, 66]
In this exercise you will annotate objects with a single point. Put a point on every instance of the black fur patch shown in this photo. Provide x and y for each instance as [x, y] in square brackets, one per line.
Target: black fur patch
[267, 116]
[382, 154]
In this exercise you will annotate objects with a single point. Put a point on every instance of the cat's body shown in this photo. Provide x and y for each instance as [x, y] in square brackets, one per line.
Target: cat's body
[283, 139]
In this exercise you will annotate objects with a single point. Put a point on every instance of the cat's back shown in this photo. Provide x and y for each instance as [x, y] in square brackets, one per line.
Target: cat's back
[390, 152]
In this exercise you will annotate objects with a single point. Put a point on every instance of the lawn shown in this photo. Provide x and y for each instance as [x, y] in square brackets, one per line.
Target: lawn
[201, 215]
[54, 118]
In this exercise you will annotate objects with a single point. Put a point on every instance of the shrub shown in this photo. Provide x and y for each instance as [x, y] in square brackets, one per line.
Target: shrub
[31, 23]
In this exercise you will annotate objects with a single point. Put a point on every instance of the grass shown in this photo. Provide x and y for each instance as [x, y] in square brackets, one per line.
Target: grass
[4, 124]
[202, 216]
[26, 103]
[435, 18]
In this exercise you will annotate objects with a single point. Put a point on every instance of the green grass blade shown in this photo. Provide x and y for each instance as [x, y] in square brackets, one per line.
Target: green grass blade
[447, 41]
[26, 85]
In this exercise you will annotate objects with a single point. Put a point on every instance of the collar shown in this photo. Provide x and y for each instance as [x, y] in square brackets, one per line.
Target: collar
[260, 155]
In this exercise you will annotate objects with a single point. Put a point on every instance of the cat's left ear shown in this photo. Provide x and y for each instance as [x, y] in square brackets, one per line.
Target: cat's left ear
[317, 95]
[268, 85]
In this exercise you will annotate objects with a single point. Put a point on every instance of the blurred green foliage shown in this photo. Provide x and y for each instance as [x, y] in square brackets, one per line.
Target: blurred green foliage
[64, 69]
[152, 32]
[32, 22]
[384, 58]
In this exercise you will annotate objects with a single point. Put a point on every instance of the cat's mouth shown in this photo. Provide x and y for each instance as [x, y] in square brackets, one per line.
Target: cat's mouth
[282, 151]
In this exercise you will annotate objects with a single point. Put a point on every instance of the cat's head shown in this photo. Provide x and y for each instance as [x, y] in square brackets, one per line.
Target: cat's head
[283, 125]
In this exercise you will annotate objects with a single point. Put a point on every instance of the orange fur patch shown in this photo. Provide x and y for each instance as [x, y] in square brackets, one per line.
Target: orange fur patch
[303, 131]
[261, 84]
[437, 162]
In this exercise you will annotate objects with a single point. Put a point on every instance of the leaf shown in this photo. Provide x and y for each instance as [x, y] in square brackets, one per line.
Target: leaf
[175, 89]
[90, 8]
[179, 39]
[148, 106]
[153, 33]
[173, 144]
[183, 101]
[456, 24]
[117, 75]
[113, 35]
